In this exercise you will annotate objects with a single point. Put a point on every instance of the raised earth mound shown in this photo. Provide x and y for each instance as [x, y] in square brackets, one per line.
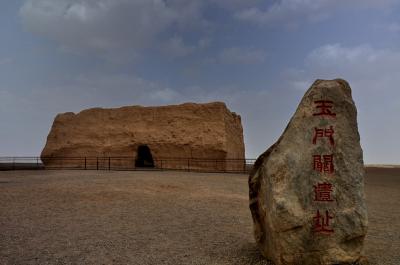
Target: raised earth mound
[206, 136]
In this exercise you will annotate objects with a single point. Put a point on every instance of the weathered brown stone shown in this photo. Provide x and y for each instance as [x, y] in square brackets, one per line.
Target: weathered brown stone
[284, 201]
[189, 130]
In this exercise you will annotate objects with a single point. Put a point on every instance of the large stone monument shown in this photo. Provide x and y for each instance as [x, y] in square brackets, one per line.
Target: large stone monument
[306, 191]
[174, 134]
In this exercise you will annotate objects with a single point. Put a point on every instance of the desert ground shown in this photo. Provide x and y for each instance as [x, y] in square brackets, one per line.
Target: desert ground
[154, 217]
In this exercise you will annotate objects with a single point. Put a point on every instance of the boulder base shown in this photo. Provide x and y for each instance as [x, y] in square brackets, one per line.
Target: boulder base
[306, 191]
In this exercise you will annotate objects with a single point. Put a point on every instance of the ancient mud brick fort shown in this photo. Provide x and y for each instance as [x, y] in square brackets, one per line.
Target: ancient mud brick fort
[208, 136]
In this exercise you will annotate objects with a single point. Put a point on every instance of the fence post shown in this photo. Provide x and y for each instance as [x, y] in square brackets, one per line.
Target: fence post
[109, 163]
[85, 162]
[97, 163]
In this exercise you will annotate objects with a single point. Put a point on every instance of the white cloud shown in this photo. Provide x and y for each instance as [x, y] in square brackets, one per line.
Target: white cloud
[111, 90]
[189, 15]
[373, 76]
[360, 62]
[175, 47]
[85, 91]
[370, 71]
[6, 61]
[392, 27]
[110, 28]
[121, 89]
[236, 55]
[287, 12]
[235, 4]
[204, 43]
[292, 12]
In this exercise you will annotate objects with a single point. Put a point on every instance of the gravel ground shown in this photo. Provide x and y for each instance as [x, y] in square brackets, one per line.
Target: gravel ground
[102, 217]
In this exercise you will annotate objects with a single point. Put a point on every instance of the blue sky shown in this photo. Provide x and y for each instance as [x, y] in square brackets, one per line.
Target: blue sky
[257, 56]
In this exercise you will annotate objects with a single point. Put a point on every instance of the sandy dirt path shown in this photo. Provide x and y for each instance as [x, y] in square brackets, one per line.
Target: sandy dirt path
[101, 217]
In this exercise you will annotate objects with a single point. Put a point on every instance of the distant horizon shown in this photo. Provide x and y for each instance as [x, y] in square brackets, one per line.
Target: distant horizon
[181, 103]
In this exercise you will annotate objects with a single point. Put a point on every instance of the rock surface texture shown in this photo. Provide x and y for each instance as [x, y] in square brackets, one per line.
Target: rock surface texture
[189, 130]
[307, 190]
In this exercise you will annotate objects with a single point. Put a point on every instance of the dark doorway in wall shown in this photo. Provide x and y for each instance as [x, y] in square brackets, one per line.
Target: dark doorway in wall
[144, 157]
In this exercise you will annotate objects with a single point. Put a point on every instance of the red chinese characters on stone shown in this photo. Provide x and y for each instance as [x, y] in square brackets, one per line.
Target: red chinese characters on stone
[323, 192]
[325, 108]
[320, 133]
[322, 223]
[324, 163]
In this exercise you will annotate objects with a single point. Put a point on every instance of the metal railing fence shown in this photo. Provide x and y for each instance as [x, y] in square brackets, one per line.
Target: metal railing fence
[126, 163]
